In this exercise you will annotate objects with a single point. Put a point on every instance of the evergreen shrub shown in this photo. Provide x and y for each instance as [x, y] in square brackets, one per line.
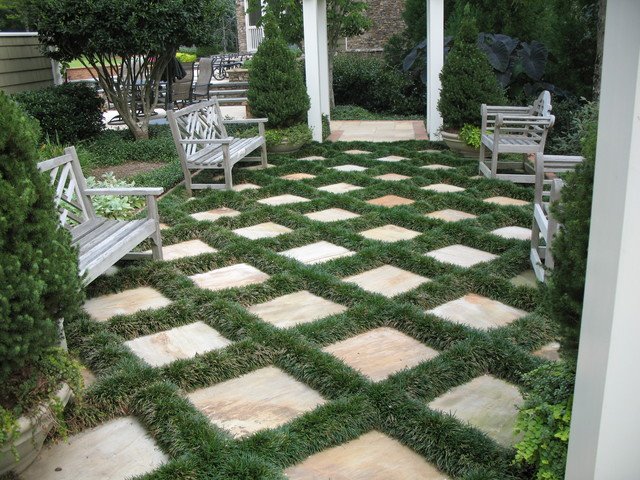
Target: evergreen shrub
[67, 113]
[565, 283]
[39, 281]
[467, 80]
[276, 89]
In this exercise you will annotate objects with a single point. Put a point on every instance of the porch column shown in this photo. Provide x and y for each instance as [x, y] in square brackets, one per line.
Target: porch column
[316, 63]
[435, 60]
[605, 427]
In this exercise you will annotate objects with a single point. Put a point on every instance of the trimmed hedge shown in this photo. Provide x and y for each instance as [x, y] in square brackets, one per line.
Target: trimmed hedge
[370, 83]
[67, 113]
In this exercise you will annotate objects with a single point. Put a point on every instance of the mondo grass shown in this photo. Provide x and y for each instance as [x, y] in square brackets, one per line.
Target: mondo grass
[396, 406]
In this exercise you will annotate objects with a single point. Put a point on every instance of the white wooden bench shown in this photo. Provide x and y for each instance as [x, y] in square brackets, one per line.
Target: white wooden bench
[201, 139]
[101, 242]
[547, 192]
[520, 130]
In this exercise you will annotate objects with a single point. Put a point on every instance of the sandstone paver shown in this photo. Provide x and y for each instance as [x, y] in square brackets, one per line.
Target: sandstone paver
[517, 233]
[390, 201]
[190, 248]
[298, 176]
[238, 275]
[450, 215]
[443, 188]
[461, 255]
[391, 158]
[282, 200]
[506, 201]
[392, 177]
[126, 302]
[331, 215]
[318, 252]
[340, 188]
[390, 233]
[349, 168]
[215, 214]
[478, 312]
[387, 280]
[245, 186]
[262, 230]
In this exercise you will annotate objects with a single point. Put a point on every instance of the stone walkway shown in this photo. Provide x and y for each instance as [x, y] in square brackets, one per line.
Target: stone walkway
[377, 130]
[270, 397]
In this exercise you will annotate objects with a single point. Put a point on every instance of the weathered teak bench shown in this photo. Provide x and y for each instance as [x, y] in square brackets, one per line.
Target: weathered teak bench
[514, 130]
[201, 139]
[548, 188]
[101, 242]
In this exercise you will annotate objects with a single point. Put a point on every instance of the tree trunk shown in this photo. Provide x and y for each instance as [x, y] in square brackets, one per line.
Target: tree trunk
[597, 74]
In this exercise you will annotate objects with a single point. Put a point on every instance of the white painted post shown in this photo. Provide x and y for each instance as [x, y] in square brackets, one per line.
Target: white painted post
[605, 428]
[435, 61]
[312, 67]
[323, 63]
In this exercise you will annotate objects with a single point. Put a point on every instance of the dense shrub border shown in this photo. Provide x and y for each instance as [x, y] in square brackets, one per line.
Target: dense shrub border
[67, 113]
[397, 406]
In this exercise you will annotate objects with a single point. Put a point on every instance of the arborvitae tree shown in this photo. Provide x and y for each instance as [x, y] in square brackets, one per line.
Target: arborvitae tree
[565, 283]
[467, 80]
[39, 281]
[276, 87]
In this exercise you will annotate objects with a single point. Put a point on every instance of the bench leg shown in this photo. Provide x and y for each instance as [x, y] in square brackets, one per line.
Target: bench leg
[156, 237]
[481, 158]
[227, 167]
[494, 162]
[263, 148]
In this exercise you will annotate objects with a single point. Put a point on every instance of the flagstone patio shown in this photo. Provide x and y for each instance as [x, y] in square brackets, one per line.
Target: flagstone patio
[315, 329]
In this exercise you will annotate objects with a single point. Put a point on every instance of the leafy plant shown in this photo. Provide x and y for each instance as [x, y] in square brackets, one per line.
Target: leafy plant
[296, 135]
[276, 89]
[545, 418]
[184, 57]
[565, 284]
[467, 80]
[112, 206]
[67, 112]
[470, 134]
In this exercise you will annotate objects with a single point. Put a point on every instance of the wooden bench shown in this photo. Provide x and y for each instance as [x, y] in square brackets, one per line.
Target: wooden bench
[201, 139]
[547, 191]
[101, 242]
[520, 130]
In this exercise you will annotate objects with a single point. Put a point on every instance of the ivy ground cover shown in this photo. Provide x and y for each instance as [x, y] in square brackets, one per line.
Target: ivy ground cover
[373, 295]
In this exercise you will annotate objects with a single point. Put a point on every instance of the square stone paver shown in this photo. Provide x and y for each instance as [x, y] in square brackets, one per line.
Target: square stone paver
[190, 248]
[215, 214]
[527, 278]
[449, 215]
[478, 312]
[390, 201]
[297, 176]
[372, 456]
[461, 255]
[239, 275]
[392, 177]
[349, 168]
[125, 303]
[119, 448]
[550, 351]
[245, 186]
[356, 152]
[265, 398]
[437, 166]
[318, 252]
[487, 403]
[262, 230]
[331, 215]
[387, 280]
[381, 352]
[506, 201]
[443, 188]
[295, 308]
[516, 233]
[390, 233]
[391, 158]
[312, 158]
[340, 188]
[282, 200]
[178, 343]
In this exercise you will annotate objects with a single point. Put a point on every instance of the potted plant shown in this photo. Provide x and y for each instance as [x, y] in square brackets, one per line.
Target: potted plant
[277, 92]
[468, 81]
[39, 285]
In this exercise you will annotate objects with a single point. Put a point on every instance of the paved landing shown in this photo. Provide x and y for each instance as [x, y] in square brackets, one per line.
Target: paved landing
[377, 130]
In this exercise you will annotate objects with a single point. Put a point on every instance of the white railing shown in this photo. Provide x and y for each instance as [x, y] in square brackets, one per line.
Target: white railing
[254, 37]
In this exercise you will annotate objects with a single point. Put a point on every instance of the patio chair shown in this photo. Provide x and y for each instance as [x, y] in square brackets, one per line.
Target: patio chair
[547, 191]
[520, 130]
[182, 89]
[201, 139]
[205, 71]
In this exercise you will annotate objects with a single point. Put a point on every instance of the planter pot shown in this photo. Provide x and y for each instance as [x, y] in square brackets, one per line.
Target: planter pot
[456, 145]
[284, 147]
[32, 432]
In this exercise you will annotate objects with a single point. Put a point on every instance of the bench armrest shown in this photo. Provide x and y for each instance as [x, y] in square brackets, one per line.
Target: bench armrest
[511, 119]
[146, 191]
[206, 141]
[246, 121]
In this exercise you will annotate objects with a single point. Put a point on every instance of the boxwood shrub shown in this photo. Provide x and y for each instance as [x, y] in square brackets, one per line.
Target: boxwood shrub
[67, 113]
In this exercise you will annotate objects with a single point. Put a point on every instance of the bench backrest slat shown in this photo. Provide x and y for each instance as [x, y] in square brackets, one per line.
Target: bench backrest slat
[65, 174]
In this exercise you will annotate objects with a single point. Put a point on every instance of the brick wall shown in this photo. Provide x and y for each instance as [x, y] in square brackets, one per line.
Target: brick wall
[242, 26]
[386, 16]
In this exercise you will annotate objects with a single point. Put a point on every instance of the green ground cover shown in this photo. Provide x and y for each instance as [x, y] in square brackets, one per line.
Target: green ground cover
[396, 406]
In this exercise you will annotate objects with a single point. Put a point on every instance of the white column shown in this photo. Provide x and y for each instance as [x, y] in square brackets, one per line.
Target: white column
[605, 428]
[312, 65]
[435, 60]
[323, 53]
